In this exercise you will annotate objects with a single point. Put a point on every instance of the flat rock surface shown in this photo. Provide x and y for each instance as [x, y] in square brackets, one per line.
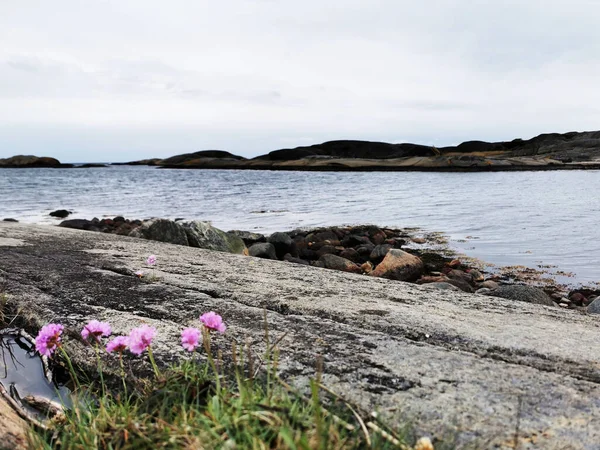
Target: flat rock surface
[454, 363]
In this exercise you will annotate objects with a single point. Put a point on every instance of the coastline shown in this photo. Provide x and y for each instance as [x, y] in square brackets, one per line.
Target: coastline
[441, 354]
[361, 249]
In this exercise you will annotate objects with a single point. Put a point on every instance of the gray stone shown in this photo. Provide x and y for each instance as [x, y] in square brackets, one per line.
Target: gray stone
[520, 293]
[264, 250]
[203, 235]
[162, 230]
[458, 364]
[594, 307]
[379, 253]
[338, 263]
[442, 286]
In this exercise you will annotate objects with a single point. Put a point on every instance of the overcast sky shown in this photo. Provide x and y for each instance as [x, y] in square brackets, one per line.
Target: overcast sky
[108, 80]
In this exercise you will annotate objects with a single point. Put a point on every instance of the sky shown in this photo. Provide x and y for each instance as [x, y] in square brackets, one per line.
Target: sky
[104, 80]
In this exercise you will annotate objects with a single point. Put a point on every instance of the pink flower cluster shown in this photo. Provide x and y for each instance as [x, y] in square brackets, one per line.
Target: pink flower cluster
[190, 337]
[151, 260]
[139, 339]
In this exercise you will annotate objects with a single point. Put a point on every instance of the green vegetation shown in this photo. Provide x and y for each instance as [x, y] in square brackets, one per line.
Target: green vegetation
[192, 407]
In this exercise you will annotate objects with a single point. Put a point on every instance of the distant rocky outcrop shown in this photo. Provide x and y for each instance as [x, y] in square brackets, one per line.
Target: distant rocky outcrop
[552, 151]
[29, 161]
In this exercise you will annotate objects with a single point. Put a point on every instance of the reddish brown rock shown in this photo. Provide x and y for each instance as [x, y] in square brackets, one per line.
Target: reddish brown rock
[399, 265]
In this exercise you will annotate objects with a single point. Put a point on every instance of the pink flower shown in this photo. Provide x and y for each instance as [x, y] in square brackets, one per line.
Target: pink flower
[151, 260]
[213, 322]
[140, 339]
[48, 339]
[139, 273]
[190, 338]
[95, 329]
[118, 344]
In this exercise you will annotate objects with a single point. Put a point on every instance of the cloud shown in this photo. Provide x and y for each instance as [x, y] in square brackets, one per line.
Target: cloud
[251, 76]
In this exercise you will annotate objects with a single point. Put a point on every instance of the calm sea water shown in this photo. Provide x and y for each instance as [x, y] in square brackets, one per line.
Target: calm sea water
[506, 218]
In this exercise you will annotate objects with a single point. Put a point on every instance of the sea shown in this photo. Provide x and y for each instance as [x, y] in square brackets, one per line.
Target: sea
[544, 219]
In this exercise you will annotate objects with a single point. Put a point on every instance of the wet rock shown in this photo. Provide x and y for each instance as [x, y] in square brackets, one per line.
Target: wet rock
[442, 286]
[248, 237]
[78, 224]
[328, 250]
[418, 240]
[489, 284]
[432, 279]
[434, 262]
[203, 235]
[365, 250]
[350, 254]
[162, 230]
[321, 236]
[577, 298]
[264, 250]
[594, 307]
[60, 213]
[119, 219]
[521, 293]
[338, 263]
[399, 265]
[289, 258]
[379, 253]
[283, 244]
[10, 219]
[354, 240]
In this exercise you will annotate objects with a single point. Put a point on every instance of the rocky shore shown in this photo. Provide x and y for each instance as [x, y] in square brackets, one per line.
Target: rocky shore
[396, 254]
[490, 371]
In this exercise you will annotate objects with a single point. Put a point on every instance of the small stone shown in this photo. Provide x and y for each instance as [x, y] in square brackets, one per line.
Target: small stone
[418, 240]
[337, 263]
[10, 219]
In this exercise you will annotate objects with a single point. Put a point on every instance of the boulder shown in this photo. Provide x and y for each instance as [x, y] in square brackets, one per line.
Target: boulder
[60, 213]
[354, 240]
[264, 250]
[350, 254]
[248, 237]
[594, 307]
[379, 253]
[338, 263]
[203, 235]
[283, 244]
[321, 236]
[328, 250]
[577, 298]
[399, 265]
[10, 219]
[162, 230]
[521, 293]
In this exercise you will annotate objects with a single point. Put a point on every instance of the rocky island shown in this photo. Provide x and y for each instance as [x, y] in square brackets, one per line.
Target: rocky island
[574, 150]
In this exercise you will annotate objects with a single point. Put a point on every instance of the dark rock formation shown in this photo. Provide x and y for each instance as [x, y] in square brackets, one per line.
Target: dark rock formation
[60, 213]
[264, 250]
[283, 244]
[29, 161]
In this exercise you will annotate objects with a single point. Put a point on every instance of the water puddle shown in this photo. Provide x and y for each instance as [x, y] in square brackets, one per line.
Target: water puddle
[24, 378]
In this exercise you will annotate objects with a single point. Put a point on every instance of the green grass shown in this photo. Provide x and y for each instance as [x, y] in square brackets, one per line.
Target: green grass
[192, 408]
